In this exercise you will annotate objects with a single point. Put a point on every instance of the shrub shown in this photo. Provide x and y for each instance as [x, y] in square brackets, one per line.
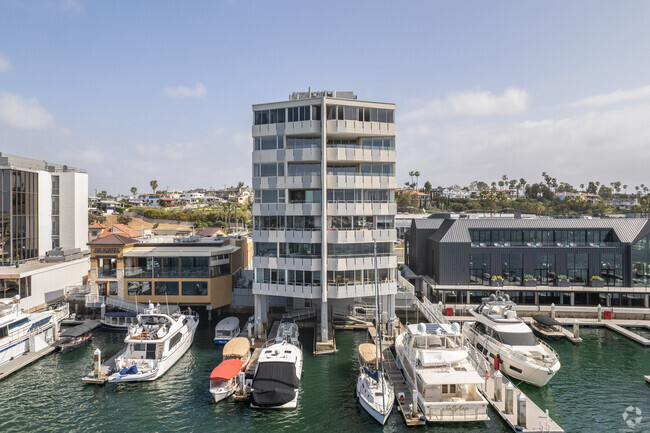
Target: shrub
[596, 278]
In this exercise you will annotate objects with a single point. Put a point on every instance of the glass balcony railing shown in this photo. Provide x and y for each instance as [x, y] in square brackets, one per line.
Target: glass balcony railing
[107, 273]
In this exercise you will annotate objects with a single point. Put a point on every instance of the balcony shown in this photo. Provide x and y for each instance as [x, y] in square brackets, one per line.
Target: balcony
[307, 236]
[351, 236]
[305, 127]
[361, 155]
[287, 209]
[291, 290]
[107, 273]
[355, 290]
[305, 264]
[311, 154]
[347, 208]
[356, 127]
[359, 180]
[361, 262]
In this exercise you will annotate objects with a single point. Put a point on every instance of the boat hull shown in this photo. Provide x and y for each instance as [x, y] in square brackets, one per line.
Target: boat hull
[372, 411]
[221, 340]
[219, 394]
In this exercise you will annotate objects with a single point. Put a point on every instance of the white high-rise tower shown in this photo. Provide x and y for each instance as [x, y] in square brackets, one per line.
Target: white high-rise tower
[324, 180]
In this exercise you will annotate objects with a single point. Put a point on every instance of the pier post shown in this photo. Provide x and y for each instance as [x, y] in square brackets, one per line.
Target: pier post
[97, 359]
[552, 310]
[55, 329]
[576, 328]
[521, 410]
[510, 398]
[103, 310]
[498, 385]
[600, 313]
[242, 384]
[415, 403]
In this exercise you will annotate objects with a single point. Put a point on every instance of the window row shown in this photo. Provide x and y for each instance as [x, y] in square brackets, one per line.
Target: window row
[360, 195]
[304, 168]
[269, 196]
[387, 169]
[281, 222]
[283, 276]
[170, 288]
[363, 114]
[268, 169]
[359, 249]
[537, 238]
[161, 267]
[545, 298]
[347, 222]
[291, 114]
[376, 143]
[269, 142]
[303, 142]
[360, 276]
[289, 249]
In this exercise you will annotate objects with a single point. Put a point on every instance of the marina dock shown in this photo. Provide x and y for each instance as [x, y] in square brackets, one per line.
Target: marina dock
[23, 360]
[107, 368]
[82, 327]
[412, 415]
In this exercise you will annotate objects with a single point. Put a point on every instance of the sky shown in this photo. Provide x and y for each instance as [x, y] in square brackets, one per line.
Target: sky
[142, 90]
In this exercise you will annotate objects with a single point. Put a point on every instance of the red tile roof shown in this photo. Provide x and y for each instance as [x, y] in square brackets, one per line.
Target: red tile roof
[113, 239]
[97, 226]
[126, 231]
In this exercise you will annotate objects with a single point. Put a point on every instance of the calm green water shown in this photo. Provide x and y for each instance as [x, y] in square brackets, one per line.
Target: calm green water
[598, 380]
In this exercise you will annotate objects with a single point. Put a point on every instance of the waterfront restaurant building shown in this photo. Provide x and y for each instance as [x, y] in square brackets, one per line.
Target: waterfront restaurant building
[194, 272]
[43, 229]
[539, 261]
[324, 181]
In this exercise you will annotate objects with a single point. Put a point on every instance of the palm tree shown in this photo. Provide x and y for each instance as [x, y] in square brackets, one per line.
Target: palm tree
[134, 191]
[154, 185]
[625, 189]
[417, 176]
[582, 187]
[522, 183]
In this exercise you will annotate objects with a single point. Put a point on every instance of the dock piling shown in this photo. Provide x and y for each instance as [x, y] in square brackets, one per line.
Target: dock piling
[498, 385]
[576, 328]
[510, 397]
[600, 313]
[103, 310]
[552, 310]
[97, 358]
[521, 410]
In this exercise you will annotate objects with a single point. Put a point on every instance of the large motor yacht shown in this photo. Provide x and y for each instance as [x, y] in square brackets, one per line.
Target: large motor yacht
[21, 333]
[434, 361]
[499, 333]
[154, 345]
[279, 367]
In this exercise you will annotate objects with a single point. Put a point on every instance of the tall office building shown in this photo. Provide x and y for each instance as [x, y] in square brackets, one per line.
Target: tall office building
[324, 181]
[43, 207]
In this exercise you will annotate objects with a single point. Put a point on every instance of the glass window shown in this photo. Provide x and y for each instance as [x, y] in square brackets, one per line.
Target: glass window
[269, 169]
[545, 268]
[578, 268]
[269, 196]
[479, 269]
[166, 288]
[611, 268]
[195, 288]
[641, 262]
[512, 269]
[139, 288]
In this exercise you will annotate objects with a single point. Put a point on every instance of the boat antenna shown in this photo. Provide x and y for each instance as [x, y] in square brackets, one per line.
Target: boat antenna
[166, 302]
[381, 337]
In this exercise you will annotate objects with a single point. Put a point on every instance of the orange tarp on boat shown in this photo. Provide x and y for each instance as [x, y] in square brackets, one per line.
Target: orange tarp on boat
[226, 370]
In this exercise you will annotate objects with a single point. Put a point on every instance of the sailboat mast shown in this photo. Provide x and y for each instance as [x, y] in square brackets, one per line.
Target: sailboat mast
[378, 320]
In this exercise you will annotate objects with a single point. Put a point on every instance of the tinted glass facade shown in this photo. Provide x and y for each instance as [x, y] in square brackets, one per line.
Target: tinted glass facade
[18, 215]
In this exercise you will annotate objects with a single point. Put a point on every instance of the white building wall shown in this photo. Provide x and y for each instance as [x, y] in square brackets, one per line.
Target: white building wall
[48, 283]
[44, 212]
[73, 201]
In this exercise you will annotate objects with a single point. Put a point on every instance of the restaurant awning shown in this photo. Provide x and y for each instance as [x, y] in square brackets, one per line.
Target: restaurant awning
[180, 251]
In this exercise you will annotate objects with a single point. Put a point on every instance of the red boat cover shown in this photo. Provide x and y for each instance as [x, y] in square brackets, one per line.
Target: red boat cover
[226, 370]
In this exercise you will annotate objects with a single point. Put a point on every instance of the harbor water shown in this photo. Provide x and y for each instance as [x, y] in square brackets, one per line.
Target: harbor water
[600, 381]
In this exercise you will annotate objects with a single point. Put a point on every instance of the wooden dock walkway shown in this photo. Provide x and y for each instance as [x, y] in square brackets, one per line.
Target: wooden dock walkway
[619, 326]
[629, 334]
[106, 369]
[537, 421]
[400, 387]
[23, 360]
[250, 369]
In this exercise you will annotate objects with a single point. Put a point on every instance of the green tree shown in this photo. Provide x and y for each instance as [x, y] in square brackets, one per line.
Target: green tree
[102, 194]
[124, 219]
[154, 185]
[605, 192]
[407, 202]
[134, 191]
[427, 187]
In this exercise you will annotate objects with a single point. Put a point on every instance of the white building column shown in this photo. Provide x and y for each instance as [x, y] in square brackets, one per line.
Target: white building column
[323, 277]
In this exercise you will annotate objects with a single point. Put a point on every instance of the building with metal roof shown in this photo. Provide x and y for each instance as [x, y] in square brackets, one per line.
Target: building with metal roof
[571, 261]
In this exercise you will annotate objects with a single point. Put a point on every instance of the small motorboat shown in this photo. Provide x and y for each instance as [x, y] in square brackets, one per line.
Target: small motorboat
[547, 327]
[67, 344]
[224, 379]
[226, 330]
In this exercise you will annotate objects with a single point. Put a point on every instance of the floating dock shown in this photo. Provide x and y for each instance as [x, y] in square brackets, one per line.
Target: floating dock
[536, 419]
[412, 415]
[81, 328]
[23, 360]
[107, 368]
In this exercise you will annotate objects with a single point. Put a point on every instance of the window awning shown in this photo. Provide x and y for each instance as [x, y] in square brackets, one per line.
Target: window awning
[180, 251]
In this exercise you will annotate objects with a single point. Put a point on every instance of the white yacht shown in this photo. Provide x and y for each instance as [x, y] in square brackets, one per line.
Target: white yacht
[499, 333]
[279, 367]
[154, 345]
[21, 333]
[374, 391]
[435, 362]
[226, 330]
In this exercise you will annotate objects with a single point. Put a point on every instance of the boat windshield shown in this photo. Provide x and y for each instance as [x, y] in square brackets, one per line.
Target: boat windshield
[517, 338]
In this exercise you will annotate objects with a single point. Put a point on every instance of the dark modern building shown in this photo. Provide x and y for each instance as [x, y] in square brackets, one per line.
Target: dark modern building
[536, 260]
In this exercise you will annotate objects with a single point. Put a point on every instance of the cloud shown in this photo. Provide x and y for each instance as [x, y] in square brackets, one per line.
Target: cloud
[19, 112]
[606, 146]
[70, 6]
[614, 97]
[183, 92]
[5, 65]
[472, 103]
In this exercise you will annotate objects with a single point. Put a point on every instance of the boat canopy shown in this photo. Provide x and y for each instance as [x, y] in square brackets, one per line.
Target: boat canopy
[545, 320]
[446, 377]
[228, 324]
[80, 330]
[440, 357]
[274, 384]
[368, 353]
[237, 348]
[226, 370]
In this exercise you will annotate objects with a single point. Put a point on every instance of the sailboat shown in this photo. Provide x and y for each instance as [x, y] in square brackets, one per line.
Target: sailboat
[374, 391]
